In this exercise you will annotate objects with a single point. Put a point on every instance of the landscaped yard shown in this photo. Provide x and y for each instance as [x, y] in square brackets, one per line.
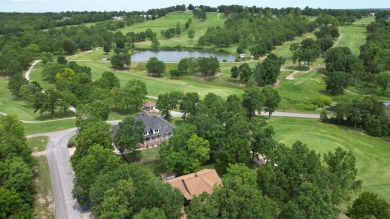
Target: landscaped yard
[372, 154]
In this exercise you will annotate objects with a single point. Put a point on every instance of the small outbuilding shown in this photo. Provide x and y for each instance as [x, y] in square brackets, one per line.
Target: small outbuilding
[150, 106]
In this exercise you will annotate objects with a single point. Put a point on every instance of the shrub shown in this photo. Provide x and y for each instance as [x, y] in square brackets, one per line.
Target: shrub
[322, 101]
[310, 107]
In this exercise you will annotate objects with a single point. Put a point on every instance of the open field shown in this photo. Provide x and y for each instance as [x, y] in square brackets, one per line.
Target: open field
[354, 35]
[372, 154]
[38, 144]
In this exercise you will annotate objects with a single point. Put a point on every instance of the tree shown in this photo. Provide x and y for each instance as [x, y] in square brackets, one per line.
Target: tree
[155, 66]
[188, 23]
[175, 73]
[369, 205]
[62, 60]
[167, 102]
[98, 160]
[234, 72]
[67, 99]
[108, 81]
[118, 61]
[12, 206]
[155, 43]
[94, 133]
[50, 71]
[129, 134]
[383, 81]
[15, 174]
[241, 171]
[208, 66]
[188, 104]
[336, 82]
[178, 29]
[271, 99]
[69, 47]
[268, 71]
[325, 43]
[198, 150]
[118, 201]
[245, 72]
[154, 213]
[131, 96]
[191, 34]
[15, 83]
[107, 47]
[235, 200]
[341, 164]
[253, 101]
[306, 51]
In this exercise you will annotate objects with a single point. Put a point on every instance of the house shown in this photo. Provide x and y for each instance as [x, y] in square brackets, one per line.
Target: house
[149, 106]
[196, 183]
[157, 129]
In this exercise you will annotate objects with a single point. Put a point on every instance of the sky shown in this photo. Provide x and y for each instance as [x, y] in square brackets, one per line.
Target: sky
[143, 5]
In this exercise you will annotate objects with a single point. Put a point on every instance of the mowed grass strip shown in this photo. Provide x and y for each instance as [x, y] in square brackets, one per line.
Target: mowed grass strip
[372, 154]
[354, 35]
[34, 128]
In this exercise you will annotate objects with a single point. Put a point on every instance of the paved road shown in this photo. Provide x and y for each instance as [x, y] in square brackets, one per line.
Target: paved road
[282, 114]
[61, 173]
[27, 73]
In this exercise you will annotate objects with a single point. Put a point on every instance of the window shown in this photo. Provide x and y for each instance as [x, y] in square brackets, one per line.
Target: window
[156, 131]
[146, 133]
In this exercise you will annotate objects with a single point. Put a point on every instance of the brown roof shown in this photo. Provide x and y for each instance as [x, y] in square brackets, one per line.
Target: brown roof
[149, 104]
[196, 183]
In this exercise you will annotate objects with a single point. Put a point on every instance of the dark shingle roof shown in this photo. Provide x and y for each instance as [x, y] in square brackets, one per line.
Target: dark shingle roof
[151, 123]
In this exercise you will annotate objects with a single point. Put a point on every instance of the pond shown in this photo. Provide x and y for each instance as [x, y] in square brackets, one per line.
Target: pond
[177, 55]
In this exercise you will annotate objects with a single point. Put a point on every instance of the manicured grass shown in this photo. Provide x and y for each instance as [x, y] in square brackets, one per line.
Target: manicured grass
[169, 21]
[372, 154]
[354, 35]
[36, 75]
[156, 86]
[33, 128]
[44, 205]
[11, 105]
[38, 143]
[298, 93]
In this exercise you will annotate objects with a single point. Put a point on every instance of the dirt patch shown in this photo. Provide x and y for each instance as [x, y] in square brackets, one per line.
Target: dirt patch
[276, 85]
[291, 76]
[263, 57]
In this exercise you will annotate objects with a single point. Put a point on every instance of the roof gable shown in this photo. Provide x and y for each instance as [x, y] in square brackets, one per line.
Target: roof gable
[196, 183]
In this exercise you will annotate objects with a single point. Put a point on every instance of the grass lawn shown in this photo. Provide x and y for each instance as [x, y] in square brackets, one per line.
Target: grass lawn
[33, 128]
[11, 105]
[164, 23]
[44, 200]
[156, 86]
[297, 94]
[38, 144]
[354, 35]
[372, 154]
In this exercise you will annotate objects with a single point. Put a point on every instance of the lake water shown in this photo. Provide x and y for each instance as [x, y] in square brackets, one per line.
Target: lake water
[177, 55]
